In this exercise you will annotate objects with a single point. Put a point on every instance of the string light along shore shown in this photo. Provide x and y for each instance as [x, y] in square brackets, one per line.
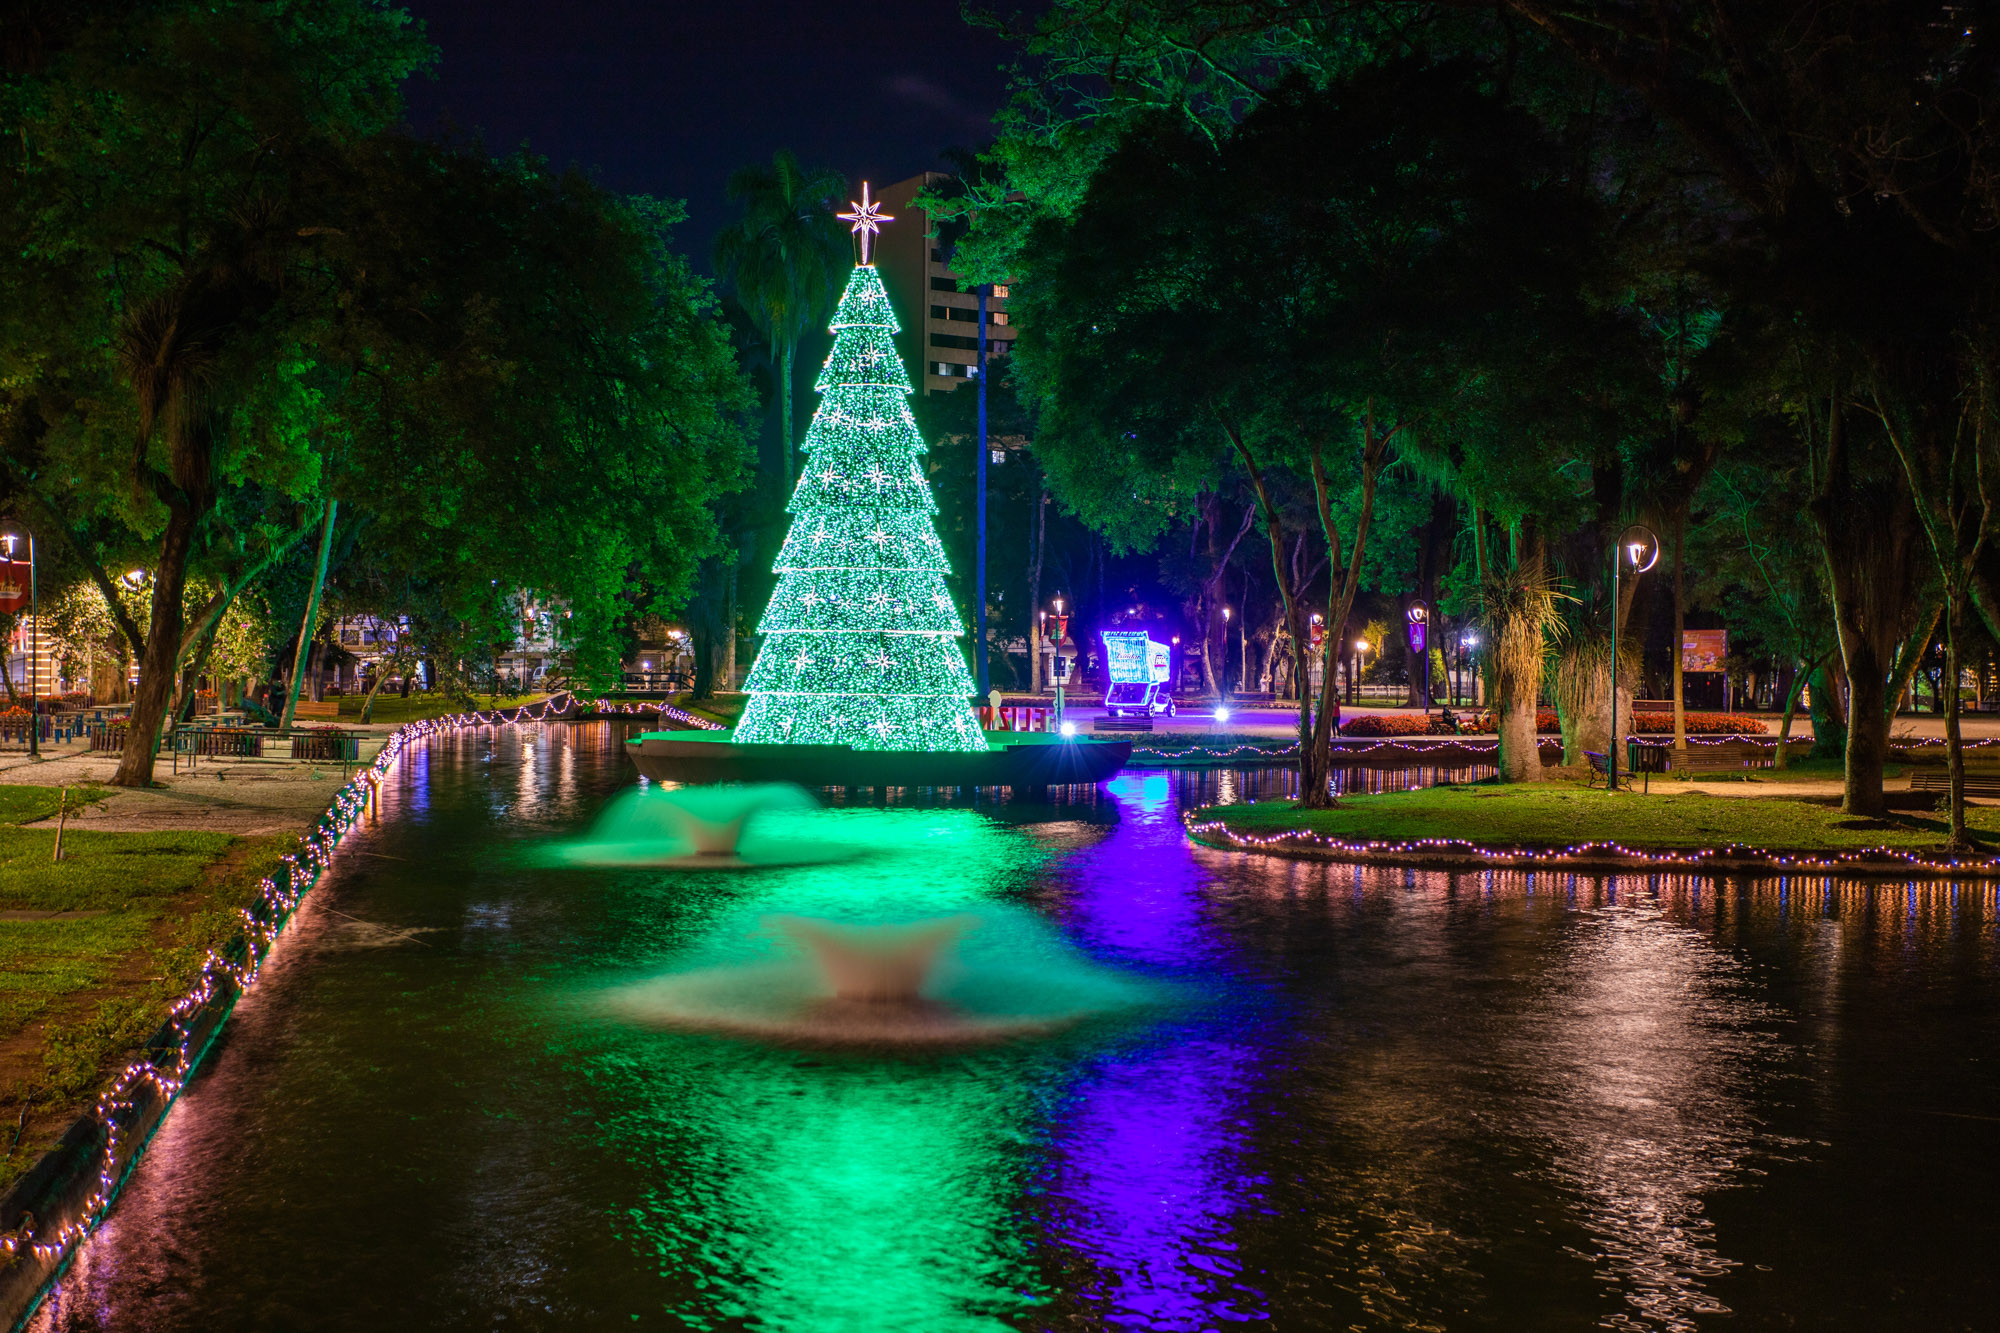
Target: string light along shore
[861, 636]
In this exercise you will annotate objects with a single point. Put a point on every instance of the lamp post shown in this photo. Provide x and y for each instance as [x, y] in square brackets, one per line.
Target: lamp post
[979, 601]
[1222, 676]
[1243, 661]
[1361, 658]
[1639, 547]
[1062, 672]
[1419, 617]
[11, 539]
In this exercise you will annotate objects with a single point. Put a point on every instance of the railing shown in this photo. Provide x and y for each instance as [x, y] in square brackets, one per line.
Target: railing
[327, 745]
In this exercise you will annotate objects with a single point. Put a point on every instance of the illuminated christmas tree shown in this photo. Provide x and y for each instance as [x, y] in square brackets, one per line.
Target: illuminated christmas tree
[861, 637]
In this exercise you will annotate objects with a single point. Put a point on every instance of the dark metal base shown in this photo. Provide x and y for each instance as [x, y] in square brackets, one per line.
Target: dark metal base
[1022, 760]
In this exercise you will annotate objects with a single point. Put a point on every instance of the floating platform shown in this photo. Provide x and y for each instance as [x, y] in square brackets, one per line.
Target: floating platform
[1027, 760]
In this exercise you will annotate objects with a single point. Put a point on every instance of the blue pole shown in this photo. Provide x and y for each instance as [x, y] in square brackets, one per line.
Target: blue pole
[980, 597]
[34, 654]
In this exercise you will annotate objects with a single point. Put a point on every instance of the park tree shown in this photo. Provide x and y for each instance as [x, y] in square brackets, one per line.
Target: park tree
[272, 305]
[783, 262]
[1346, 269]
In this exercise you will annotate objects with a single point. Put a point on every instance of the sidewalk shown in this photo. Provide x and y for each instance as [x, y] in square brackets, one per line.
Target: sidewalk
[240, 796]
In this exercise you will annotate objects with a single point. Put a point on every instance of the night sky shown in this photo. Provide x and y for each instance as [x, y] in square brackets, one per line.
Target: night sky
[666, 97]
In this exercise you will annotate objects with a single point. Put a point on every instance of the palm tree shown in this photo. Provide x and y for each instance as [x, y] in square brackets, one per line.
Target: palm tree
[784, 259]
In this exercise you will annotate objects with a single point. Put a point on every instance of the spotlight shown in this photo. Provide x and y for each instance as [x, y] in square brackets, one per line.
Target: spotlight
[1221, 714]
[1068, 728]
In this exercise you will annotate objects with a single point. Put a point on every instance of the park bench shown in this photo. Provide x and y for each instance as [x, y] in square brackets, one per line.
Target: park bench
[1726, 757]
[1645, 760]
[1983, 782]
[325, 708]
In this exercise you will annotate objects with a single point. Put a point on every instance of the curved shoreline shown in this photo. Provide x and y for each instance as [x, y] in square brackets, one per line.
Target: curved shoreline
[1463, 854]
[66, 1194]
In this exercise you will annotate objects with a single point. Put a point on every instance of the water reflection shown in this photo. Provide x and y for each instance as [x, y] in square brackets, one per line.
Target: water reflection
[1151, 1152]
[1646, 1042]
[1388, 1099]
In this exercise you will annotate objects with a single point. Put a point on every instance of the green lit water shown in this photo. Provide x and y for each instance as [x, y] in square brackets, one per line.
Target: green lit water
[1367, 1100]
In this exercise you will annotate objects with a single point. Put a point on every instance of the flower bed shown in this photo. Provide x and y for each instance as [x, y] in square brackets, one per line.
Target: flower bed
[1703, 724]
[1387, 724]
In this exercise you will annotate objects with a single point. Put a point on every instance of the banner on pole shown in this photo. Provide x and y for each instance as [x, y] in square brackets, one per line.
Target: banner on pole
[13, 586]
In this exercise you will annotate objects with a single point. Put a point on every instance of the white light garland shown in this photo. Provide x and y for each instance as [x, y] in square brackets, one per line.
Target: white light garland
[167, 1065]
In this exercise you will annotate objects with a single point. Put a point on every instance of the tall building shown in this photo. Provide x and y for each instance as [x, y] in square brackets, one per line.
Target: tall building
[940, 322]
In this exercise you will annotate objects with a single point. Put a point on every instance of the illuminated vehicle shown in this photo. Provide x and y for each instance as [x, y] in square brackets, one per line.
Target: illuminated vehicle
[1140, 675]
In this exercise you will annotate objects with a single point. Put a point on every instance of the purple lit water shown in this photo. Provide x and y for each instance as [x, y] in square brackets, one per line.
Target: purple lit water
[1378, 1099]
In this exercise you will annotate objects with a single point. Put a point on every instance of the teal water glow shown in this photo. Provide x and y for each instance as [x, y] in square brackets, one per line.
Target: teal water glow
[1375, 1099]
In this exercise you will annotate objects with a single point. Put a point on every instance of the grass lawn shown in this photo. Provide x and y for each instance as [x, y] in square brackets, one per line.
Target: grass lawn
[1553, 814]
[393, 708]
[22, 804]
[723, 710]
[79, 991]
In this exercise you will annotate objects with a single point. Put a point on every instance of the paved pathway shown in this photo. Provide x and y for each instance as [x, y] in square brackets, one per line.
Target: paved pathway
[242, 796]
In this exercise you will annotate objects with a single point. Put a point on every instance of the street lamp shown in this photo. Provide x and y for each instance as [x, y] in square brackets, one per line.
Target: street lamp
[1361, 653]
[1638, 549]
[16, 538]
[1061, 671]
[1222, 683]
[1419, 616]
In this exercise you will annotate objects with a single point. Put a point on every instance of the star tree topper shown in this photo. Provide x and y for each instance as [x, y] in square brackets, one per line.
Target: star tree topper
[867, 218]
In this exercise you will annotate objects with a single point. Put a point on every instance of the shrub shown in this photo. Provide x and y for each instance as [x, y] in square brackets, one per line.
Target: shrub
[1703, 724]
[1386, 724]
[1545, 721]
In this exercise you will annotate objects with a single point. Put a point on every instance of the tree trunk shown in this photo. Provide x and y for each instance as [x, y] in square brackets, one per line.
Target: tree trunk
[1291, 596]
[703, 686]
[163, 646]
[1517, 671]
[381, 674]
[312, 615]
[194, 663]
[1953, 745]
[1680, 629]
[787, 355]
[1867, 724]
[1342, 585]
[1779, 757]
[729, 628]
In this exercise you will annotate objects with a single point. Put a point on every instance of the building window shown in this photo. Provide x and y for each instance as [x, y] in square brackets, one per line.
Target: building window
[1000, 291]
[944, 284]
[999, 317]
[953, 340]
[937, 254]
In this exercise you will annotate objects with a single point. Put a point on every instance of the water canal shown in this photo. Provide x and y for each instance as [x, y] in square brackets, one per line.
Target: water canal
[1363, 1099]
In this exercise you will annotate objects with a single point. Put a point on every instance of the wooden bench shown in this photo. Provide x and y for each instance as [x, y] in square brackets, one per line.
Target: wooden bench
[325, 708]
[1981, 782]
[1645, 761]
[1728, 757]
